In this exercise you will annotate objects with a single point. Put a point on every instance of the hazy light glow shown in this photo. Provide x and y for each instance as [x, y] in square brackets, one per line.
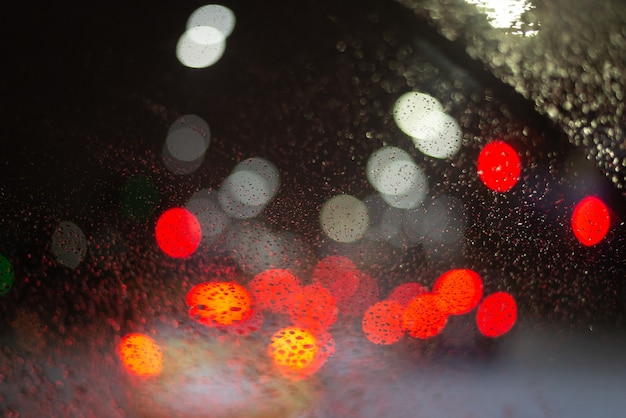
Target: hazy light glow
[186, 143]
[141, 355]
[394, 174]
[344, 218]
[496, 314]
[178, 233]
[590, 221]
[313, 308]
[406, 292]
[273, 288]
[339, 275]
[499, 166]
[205, 207]
[214, 16]
[69, 244]
[252, 184]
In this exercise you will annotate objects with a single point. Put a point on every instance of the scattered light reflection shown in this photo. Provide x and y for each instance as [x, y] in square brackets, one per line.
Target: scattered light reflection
[69, 244]
[344, 218]
[590, 221]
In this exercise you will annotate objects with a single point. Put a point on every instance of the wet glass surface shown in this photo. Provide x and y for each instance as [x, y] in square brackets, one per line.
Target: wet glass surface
[313, 209]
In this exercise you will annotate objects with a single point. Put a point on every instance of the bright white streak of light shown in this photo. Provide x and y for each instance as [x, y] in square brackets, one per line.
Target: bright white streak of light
[504, 14]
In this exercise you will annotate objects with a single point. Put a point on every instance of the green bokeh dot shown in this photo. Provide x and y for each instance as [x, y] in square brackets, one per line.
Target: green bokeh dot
[6, 276]
[139, 198]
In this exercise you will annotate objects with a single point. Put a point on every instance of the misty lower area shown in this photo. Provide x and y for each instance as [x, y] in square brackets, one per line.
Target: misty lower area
[313, 209]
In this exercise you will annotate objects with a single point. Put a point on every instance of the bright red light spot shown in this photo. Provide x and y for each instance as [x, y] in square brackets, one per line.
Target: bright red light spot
[404, 293]
[219, 303]
[496, 314]
[590, 221]
[273, 288]
[313, 308]
[459, 291]
[178, 233]
[339, 275]
[499, 166]
[382, 322]
[141, 355]
[423, 318]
